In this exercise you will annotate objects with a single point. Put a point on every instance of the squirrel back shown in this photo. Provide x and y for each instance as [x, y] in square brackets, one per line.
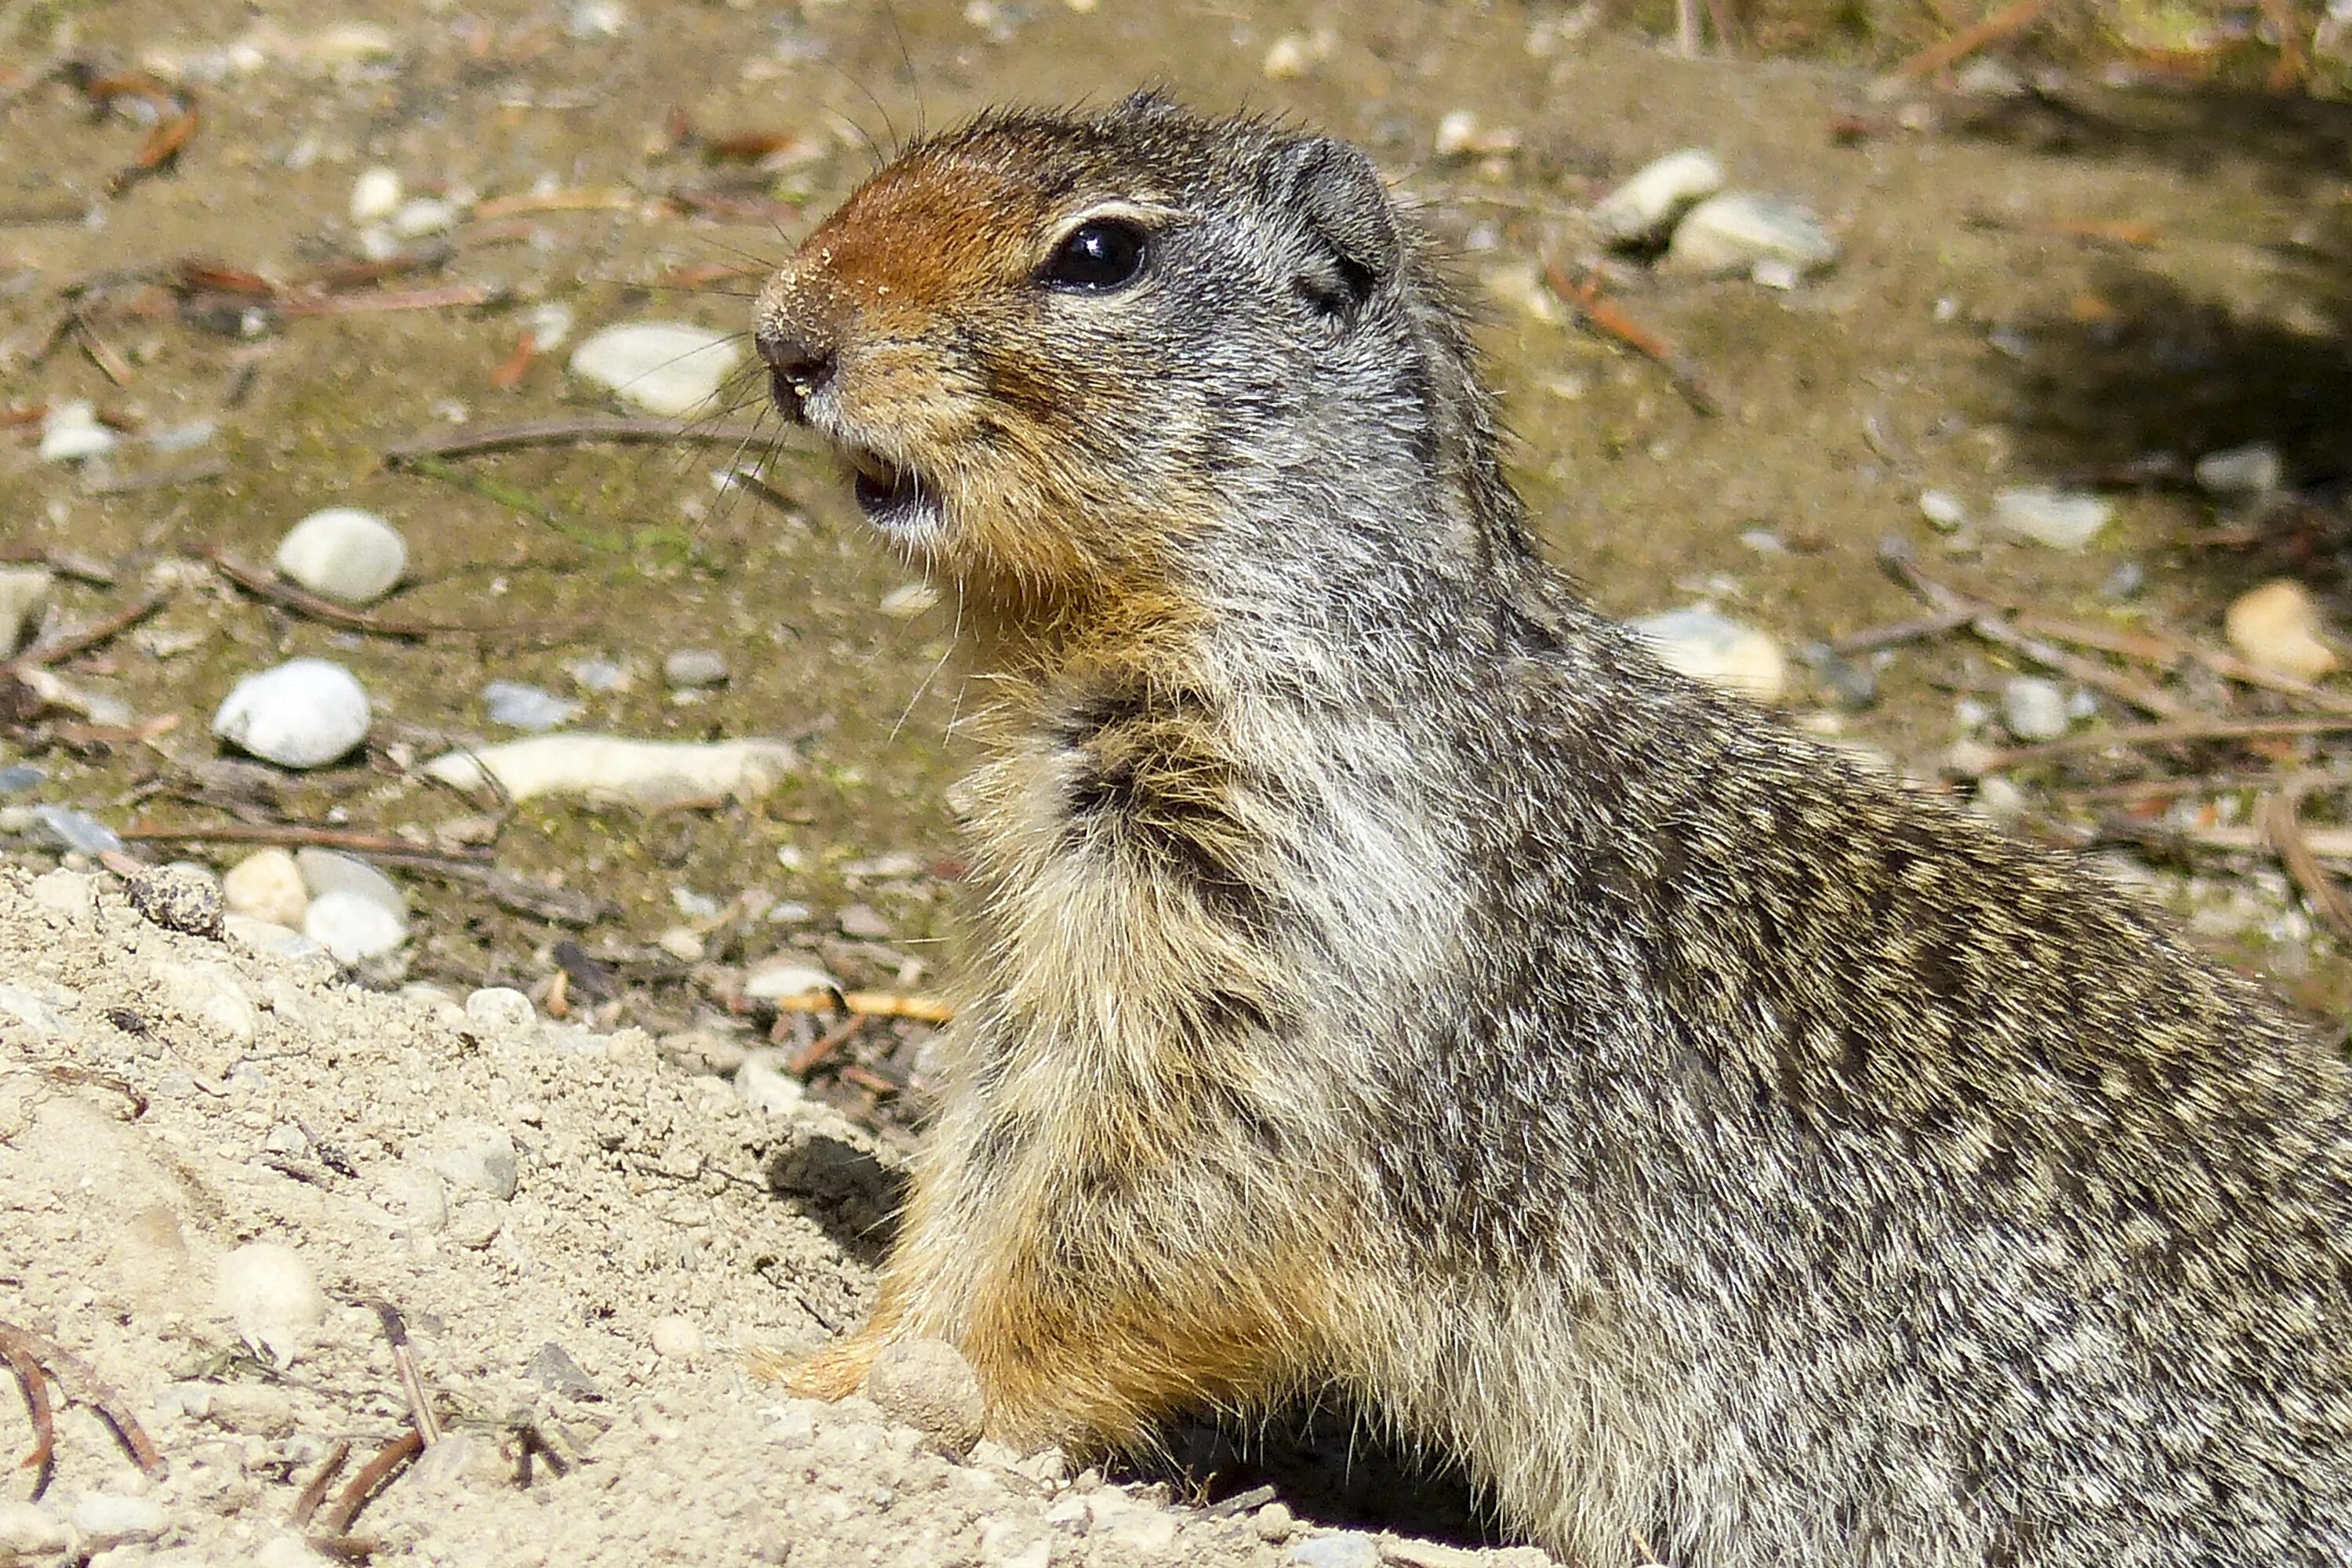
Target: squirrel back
[1393, 976]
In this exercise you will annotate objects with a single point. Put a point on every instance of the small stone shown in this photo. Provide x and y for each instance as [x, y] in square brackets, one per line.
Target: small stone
[676, 1338]
[260, 1408]
[692, 669]
[1999, 798]
[1851, 686]
[1943, 511]
[2034, 709]
[289, 1550]
[1711, 648]
[501, 1007]
[19, 777]
[1015, 1544]
[68, 893]
[475, 1223]
[549, 324]
[908, 600]
[2251, 470]
[2125, 582]
[2278, 626]
[268, 936]
[375, 196]
[599, 675]
[177, 899]
[2064, 519]
[343, 553]
[926, 1384]
[863, 922]
[552, 1368]
[1341, 1549]
[29, 1530]
[471, 1155]
[421, 216]
[682, 942]
[1639, 211]
[304, 713]
[1726, 234]
[352, 928]
[75, 830]
[1459, 135]
[70, 433]
[1273, 1522]
[662, 367]
[270, 1292]
[1140, 1532]
[521, 706]
[765, 1087]
[29, 1012]
[787, 977]
[266, 885]
[100, 1517]
[23, 602]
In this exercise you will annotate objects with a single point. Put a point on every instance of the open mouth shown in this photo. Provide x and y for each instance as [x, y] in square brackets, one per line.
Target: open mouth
[891, 497]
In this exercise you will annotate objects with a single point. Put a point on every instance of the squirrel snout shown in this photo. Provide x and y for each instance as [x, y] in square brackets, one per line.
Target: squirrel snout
[799, 362]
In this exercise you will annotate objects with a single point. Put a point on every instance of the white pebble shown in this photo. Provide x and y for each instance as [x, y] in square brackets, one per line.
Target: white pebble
[1639, 211]
[100, 1517]
[521, 706]
[676, 1338]
[423, 215]
[1943, 511]
[690, 669]
[2278, 626]
[301, 714]
[786, 977]
[271, 1295]
[2064, 519]
[2255, 470]
[345, 553]
[549, 325]
[24, 603]
[1728, 235]
[29, 1530]
[662, 367]
[375, 196]
[650, 774]
[70, 433]
[910, 600]
[767, 1087]
[501, 1007]
[471, 1155]
[1709, 646]
[353, 928]
[270, 937]
[2034, 709]
[1338, 1551]
[926, 1384]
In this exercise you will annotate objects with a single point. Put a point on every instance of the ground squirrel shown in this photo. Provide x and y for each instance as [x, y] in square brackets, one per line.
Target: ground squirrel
[1393, 979]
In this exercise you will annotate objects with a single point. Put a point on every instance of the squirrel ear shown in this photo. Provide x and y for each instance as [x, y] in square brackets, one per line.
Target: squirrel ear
[1334, 188]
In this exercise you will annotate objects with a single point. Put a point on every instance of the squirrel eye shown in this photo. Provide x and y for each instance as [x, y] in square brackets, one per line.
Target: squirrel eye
[1097, 256]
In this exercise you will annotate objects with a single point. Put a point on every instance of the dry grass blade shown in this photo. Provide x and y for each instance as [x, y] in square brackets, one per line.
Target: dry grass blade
[315, 1492]
[42, 1460]
[83, 1386]
[2281, 825]
[2145, 735]
[376, 1475]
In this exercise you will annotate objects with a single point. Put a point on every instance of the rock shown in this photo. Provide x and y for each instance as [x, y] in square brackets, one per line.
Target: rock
[1849, 685]
[1711, 648]
[521, 706]
[29, 1530]
[266, 885]
[102, 1517]
[70, 433]
[75, 830]
[1138, 1534]
[2034, 709]
[501, 1007]
[375, 196]
[649, 774]
[289, 1550]
[2251, 470]
[787, 977]
[344, 554]
[19, 777]
[692, 668]
[549, 325]
[32, 1014]
[926, 1384]
[210, 995]
[23, 602]
[270, 1292]
[1943, 511]
[421, 216]
[353, 930]
[1643, 208]
[662, 367]
[2064, 519]
[1728, 235]
[304, 713]
[68, 893]
[863, 922]
[1015, 1544]
[599, 675]
[766, 1087]
[908, 600]
[553, 1369]
[676, 1338]
[260, 1408]
[177, 899]
[471, 1155]
[1339, 1549]
[2278, 626]
[1273, 1522]
[475, 1223]
[331, 871]
[682, 942]
[268, 936]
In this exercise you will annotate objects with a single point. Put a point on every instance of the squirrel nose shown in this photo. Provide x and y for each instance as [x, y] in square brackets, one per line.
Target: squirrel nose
[799, 364]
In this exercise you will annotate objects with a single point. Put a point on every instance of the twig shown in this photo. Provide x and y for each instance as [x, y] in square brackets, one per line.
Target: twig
[372, 1479]
[66, 1073]
[302, 602]
[2004, 23]
[873, 1004]
[468, 439]
[819, 1051]
[2283, 827]
[2139, 694]
[296, 835]
[83, 1386]
[453, 296]
[43, 1460]
[1901, 632]
[2144, 735]
[315, 1492]
[404, 1362]
[1606, 318]
[82, 642]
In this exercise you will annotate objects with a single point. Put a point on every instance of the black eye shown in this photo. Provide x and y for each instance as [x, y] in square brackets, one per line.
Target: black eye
[1098, 256]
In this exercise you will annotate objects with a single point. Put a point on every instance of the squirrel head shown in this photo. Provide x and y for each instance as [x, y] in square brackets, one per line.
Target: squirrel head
[1059, 351]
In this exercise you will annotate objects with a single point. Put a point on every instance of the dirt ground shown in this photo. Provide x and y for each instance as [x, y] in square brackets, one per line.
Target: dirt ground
[2039, 284]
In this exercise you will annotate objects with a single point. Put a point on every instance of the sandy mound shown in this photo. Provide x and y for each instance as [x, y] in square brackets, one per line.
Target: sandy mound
[214, 1165]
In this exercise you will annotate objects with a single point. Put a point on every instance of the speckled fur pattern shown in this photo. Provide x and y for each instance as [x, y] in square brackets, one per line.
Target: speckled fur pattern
[1393, 979]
